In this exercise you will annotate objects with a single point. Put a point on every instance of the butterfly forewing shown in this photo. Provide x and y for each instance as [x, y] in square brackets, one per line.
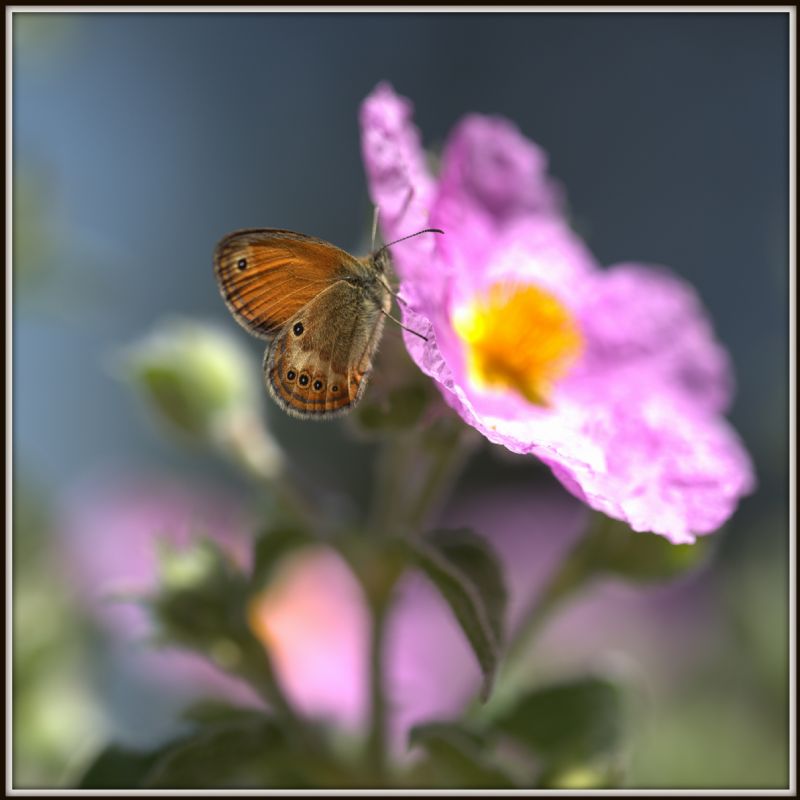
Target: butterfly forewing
[319, 363]
[266, 276]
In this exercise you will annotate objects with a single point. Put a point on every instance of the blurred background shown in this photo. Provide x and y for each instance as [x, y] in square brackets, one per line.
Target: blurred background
[141, 139]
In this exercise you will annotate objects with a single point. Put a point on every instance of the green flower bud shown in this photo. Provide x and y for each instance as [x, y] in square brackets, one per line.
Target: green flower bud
[193, 376]
[187, 568]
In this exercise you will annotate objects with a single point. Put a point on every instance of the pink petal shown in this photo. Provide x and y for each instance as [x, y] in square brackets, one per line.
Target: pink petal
[652, 461]
[491, 178]
[647, 319]
[490, 167]
[664, 467]
[398, 179]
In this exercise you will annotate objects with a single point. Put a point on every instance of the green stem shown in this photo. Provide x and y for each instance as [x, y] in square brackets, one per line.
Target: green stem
[376, 742]
[416, 471]
[446, 461]
[392, 477]
[568, 579]
[410, 465]
[571, 576]
[244, 438]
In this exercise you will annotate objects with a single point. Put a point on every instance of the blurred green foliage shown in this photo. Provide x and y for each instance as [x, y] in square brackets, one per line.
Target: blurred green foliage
[54, 708]
[576, 733]
[469, 575]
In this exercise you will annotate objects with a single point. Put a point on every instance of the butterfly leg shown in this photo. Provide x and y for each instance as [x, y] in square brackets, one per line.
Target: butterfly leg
[404, 327]
[391, 291]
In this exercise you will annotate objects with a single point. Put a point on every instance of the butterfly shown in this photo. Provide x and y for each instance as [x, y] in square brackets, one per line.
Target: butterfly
[321, 309]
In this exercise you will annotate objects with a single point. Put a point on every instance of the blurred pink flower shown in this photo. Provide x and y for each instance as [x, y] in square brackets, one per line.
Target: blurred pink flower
[313, 617]
[315, 620]
[659, 631]
[110, 541]
[611, 377]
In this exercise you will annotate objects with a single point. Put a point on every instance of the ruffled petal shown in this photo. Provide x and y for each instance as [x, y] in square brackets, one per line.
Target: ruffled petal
[492, 177]
[489, 166]
[664, 468]
[653, 461]
[646, 321]
[399, 182]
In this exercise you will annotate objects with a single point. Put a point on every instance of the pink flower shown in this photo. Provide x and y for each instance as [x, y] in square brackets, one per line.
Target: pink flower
[611, 377]
[110, 550]
[315, 621]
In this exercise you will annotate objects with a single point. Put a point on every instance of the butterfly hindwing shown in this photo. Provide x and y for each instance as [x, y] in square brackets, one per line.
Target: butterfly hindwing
[267, 275]
[323, 369]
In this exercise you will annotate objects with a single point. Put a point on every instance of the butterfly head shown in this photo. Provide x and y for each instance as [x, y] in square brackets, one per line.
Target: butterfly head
[380, 261]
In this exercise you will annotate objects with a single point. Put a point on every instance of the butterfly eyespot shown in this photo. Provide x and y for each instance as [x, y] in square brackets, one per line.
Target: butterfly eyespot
[298, 328]
[334, 388]
[241, 263]
[291, 375]
[303, 380]
[317, 385]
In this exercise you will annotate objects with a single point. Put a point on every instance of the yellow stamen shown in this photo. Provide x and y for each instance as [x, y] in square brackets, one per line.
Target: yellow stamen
[518, 337]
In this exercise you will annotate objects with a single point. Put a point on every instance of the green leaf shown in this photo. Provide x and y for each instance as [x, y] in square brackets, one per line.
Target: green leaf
[239, 749]
[466, 571]
[569, 723]
[230, 748]
[118, 768]
[202, 605]
[455, 758]
[612, 547]
[272, 547]
[458, 735]
[248, 752]
[218, 712]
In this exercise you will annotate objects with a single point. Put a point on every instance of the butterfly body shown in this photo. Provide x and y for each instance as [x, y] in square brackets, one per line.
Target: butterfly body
[321, 309]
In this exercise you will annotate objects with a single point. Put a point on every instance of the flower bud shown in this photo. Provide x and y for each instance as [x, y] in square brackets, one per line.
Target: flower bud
[193, 376]
[185, 568]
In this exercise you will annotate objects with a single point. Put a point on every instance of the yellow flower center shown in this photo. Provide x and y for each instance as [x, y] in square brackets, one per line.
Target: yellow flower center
[518, 337]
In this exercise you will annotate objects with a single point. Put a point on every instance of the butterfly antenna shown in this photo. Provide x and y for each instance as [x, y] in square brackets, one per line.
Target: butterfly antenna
[410, 236]
[405, 328]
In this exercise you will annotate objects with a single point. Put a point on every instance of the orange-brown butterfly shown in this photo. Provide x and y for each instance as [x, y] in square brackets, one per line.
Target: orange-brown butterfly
[321, 309]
